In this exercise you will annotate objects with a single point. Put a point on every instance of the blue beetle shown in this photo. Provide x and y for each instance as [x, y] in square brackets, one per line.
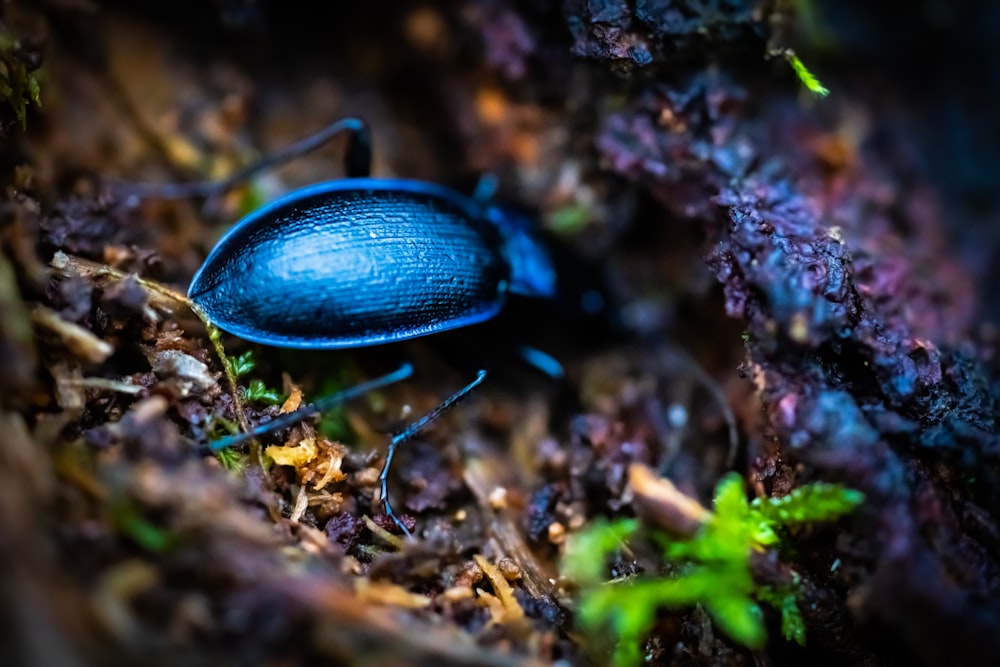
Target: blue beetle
[362, 261]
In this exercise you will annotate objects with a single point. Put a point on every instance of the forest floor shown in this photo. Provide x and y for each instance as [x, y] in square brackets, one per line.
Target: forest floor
[799, 292]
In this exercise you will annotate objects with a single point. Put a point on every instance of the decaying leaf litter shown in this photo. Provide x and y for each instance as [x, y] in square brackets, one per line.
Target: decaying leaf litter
[855, 323]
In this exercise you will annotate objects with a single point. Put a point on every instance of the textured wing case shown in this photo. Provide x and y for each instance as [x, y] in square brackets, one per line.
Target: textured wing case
[333, 267]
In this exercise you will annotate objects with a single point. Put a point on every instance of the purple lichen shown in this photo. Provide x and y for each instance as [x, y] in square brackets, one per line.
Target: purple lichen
[857, 322]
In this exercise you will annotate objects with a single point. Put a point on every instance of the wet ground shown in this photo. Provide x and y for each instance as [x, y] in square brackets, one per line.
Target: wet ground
[799, 290]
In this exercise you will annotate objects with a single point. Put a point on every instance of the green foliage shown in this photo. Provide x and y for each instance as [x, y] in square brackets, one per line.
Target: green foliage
[333, 422]
[601, 537]
[18, 86]
[568, 220]
[231, 459]
[808, 504]
[799, 16]
[807, 78]
[140, 530]
[783, 599]
[253, 197]
[711, 569]
[258, 392]
[243, 364]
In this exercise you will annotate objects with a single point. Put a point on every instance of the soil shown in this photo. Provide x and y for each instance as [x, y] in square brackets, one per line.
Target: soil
[797, 289]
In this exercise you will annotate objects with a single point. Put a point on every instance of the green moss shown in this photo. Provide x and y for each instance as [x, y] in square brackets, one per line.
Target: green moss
[601, 537]
[18, 86]
[568, 220]
[808, 504]
[258, 392]
[253, 197]
[140, 530]
[807, 78]
[333, 422]
[711, 569]
[243, 364]
[783, 599]
[231, 459]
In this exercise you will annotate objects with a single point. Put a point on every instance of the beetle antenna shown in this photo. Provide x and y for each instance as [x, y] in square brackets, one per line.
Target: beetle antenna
[409, 432]
[486, 188]
[320, 405]
[672, 358]
[357, 161]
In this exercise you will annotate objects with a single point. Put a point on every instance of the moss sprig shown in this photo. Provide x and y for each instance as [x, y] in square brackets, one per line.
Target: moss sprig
[711, 568]
[19, 86]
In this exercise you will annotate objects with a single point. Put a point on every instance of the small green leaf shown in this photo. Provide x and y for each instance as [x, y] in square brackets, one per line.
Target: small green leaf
[588, 549]
[793, 628]
[628, 652]
[260, 393]
[140, 530]
[568, 220]
[219, 426]
[253, 197]
[620, 614]
[739, 617]
[764, 535]
[242, 364]
[809, 504]
[711, 568]
[807, 78]
[18, 86]
[334, 424]
[230, 459]
[730, 497]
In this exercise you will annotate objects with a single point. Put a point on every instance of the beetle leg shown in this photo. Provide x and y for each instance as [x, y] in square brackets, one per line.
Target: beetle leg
[409, 432]
[291, 418]
[358, 154]
[357, 162]
[486, 188]
[672, 360]
[542, 361]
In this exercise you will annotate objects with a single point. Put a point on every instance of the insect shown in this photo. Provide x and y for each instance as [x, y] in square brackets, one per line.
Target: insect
[362, 261]
[291, 418]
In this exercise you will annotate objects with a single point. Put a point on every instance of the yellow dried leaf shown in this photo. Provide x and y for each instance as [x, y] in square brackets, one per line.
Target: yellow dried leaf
[377, 592]
[297, 457]
[294, 400]
[512, 610]
[492, 603]
[317, 461]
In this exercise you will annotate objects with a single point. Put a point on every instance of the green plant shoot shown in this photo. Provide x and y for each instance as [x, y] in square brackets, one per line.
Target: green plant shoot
[711, 569]
[259, 392]
[243, 364]
[18, 86]
[807, 78]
